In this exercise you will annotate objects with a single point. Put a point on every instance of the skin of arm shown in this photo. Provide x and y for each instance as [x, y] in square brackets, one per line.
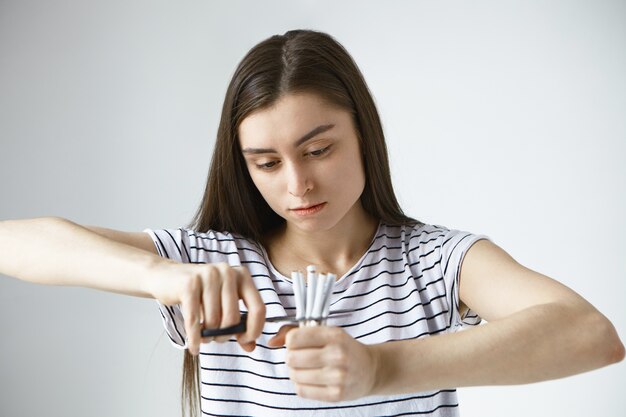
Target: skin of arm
[70, 254]
[56, 251]
[538, 329]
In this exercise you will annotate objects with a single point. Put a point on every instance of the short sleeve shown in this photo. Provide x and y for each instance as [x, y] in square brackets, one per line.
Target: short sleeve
[172, 244]
[454, 246]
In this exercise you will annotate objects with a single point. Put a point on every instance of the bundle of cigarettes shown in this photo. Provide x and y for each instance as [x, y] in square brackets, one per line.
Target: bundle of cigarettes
[312, 296]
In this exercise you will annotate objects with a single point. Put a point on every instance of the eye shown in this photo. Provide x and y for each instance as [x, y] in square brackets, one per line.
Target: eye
[267, 165]
[319, 152]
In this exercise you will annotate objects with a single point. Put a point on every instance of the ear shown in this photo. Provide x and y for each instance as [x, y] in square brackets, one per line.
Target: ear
[279, 339]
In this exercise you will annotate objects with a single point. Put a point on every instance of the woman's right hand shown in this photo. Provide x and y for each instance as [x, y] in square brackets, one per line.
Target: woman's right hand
[209, 296]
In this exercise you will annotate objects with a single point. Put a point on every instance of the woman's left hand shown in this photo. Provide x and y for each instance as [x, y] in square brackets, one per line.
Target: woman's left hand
[327, 364]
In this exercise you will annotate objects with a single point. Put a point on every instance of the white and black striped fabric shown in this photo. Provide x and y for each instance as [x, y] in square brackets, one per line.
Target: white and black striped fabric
[404, 287]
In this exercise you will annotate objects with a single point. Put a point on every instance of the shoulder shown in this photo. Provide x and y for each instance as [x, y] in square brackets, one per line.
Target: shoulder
[406, 233]
[438, 244]
[415, 236]
[188, 245]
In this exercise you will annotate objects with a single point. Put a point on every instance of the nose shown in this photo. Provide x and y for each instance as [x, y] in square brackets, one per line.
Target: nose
[298, 181]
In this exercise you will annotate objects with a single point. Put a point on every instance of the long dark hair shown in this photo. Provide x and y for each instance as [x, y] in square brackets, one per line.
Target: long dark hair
[298, 61]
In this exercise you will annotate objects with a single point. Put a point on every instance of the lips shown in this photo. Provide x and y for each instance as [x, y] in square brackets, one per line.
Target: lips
[309, 209]
[307, 206]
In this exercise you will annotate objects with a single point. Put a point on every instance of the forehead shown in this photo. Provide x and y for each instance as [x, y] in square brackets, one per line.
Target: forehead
[289, 118]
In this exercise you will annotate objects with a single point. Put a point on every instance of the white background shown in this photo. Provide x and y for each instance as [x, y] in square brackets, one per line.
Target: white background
[504, 118]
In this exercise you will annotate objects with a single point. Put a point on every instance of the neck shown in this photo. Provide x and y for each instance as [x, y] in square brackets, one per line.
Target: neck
[333, 250]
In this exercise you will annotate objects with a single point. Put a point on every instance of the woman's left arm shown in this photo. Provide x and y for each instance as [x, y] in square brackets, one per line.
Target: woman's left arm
[537, 329]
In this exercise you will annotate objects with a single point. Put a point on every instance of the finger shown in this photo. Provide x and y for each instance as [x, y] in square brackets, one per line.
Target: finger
[319, 392]
[211, 304]
[309, 337]
[254, 303]
[305, 359]
[229, 301]
[279, 338]
[318, 376]
[190, 307]
[248, 347]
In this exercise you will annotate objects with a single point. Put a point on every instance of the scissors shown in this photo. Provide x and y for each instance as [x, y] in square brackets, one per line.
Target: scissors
[241, 326]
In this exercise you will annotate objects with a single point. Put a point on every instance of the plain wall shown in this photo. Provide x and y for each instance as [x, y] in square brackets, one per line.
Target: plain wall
[502, 118]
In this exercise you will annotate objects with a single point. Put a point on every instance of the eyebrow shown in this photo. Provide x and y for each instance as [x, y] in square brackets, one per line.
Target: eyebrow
[303, 139]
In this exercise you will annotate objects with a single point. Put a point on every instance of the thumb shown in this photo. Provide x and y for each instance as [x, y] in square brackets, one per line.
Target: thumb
[279, 339]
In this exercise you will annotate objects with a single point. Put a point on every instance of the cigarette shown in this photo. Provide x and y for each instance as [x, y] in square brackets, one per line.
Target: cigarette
[299, 293]
[311, 289]
[319, 300]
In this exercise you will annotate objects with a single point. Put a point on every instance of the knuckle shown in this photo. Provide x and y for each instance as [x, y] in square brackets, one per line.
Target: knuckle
[195, 285]
[340, 356]
[246, 276]
[212, 274]
[339, 376]
[241, 270]
[293, 376]
[336, 354]
[229, 277]
[222, 267]
[336, 393]
[231, 273]
[243, 277]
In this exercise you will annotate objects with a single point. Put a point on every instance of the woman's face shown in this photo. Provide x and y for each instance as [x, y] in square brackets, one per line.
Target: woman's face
[304, 157]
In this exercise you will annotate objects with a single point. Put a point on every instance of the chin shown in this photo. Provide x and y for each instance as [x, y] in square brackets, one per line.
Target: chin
[314, 225]
[309, 226]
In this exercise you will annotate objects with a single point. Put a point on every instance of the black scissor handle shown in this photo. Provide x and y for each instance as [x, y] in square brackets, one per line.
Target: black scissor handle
[237, 328]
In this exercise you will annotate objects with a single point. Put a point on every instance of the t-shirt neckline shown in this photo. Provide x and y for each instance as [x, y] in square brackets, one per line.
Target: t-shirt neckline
[341, 280]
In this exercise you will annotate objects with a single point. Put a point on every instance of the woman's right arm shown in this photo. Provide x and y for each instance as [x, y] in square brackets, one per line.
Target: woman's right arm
[56, 251]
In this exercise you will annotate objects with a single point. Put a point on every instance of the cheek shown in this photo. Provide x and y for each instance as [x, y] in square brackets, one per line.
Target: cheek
[350, 176]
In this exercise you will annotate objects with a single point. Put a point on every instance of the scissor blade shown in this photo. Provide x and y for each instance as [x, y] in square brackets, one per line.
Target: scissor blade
[294, 319]
[241, 326]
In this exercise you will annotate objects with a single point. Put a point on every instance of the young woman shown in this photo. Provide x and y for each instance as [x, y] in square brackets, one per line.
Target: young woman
[300, 176]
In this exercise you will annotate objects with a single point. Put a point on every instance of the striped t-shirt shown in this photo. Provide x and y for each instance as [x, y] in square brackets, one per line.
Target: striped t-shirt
[404, 287]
